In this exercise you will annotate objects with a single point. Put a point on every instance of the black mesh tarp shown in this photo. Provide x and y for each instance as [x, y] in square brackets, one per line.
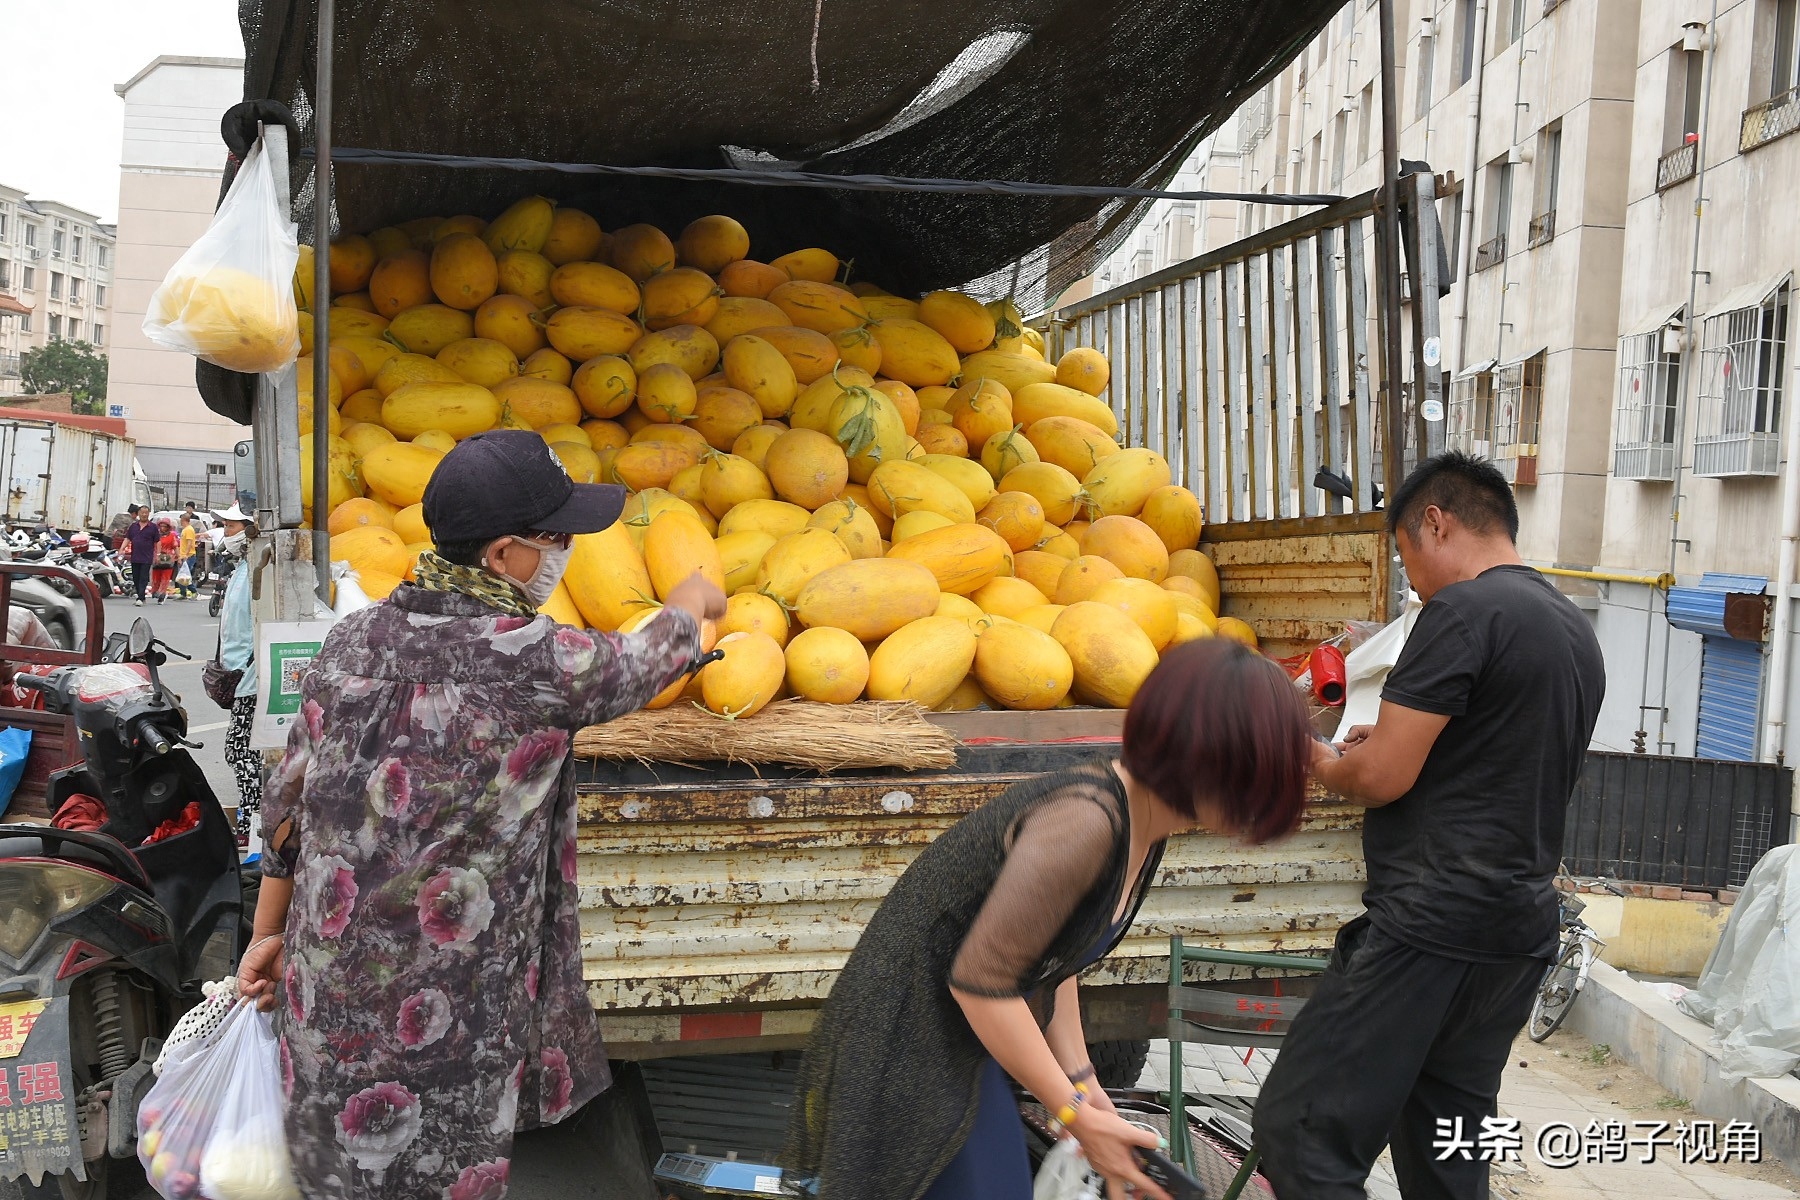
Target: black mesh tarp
[1114, 92]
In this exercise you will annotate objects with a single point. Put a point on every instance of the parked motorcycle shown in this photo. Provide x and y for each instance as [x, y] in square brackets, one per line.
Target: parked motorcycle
[110, 919]
[222, 566]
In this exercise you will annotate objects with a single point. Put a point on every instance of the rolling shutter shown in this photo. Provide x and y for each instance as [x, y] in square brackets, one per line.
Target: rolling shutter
[1730, 689]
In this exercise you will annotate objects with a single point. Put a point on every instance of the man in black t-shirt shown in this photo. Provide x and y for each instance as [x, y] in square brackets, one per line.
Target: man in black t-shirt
[1483, 727]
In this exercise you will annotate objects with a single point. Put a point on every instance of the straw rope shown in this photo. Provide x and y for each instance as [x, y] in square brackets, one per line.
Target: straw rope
[823, 737]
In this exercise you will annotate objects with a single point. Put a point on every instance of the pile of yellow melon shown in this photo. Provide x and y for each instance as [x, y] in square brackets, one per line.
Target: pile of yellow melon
[902, 498]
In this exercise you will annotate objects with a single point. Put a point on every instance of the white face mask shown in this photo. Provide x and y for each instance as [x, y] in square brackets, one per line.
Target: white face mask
[235, 542]
[552, 562]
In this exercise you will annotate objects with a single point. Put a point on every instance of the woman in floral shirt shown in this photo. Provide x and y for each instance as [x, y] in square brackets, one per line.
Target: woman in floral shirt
[419, 906]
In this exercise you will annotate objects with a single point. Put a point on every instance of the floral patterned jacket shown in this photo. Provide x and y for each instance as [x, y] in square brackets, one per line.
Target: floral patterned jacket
[425, 810]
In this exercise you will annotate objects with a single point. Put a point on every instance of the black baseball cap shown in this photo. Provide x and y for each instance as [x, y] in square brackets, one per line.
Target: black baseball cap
[509, 481]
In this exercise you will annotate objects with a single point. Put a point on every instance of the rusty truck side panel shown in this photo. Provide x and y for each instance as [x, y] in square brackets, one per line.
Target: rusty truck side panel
[750, 894]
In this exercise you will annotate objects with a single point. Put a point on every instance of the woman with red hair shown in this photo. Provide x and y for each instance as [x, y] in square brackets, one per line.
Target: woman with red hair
[965, 978]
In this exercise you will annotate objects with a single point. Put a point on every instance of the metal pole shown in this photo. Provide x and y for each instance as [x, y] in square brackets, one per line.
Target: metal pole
[321, 422]
[1392, 458]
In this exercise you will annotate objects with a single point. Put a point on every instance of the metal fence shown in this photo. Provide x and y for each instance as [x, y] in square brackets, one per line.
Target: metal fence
[1687, 822]
[207, 491]
[1254, 368]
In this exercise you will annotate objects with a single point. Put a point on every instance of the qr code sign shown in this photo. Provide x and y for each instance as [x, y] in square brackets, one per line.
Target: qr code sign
[292, 671]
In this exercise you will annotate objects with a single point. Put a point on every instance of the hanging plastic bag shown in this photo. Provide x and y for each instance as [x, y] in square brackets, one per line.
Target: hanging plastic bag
[230, 298]
[211, 1109]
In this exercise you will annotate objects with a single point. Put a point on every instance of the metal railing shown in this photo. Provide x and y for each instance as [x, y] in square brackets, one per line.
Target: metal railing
[9, 366]
[1490, 253]
[1250, 368]
[1543, 228]
[1256, 119]
[1775, 117]
[1677, 165]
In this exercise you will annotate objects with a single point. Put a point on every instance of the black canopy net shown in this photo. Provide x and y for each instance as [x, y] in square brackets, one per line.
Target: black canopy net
[1077, 92]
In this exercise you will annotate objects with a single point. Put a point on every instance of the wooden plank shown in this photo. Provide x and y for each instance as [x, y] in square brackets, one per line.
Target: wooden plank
[1364, 434]
[1280, 350]
[1213, 401]
[1256, 389]
[1331, 377]
[1053, 725]
[1306, 372]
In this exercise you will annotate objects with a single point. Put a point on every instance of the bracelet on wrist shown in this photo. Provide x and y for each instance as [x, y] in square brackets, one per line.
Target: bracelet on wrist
[1066, 1115]
[1085, 1073]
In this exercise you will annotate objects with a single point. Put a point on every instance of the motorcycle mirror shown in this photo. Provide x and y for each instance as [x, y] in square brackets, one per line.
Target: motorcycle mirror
[141, 636]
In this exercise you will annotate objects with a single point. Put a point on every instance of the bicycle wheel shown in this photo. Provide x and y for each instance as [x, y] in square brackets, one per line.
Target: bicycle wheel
[1556, 994]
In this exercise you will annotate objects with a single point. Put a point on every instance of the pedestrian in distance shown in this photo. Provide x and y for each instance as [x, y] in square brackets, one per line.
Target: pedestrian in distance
[162, 566]
[418, 900]
[186, 574]
[1483, 728]
[965, 978]
[141, 537]
[237, 652]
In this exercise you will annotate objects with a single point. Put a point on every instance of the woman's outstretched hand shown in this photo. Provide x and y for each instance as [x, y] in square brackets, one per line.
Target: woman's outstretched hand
[1108, 1140]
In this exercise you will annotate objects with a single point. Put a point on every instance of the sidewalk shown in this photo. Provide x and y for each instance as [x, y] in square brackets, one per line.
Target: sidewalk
[1566, 1080]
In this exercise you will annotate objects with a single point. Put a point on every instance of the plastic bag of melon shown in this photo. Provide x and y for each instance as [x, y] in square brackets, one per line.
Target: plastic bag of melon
[229, 300]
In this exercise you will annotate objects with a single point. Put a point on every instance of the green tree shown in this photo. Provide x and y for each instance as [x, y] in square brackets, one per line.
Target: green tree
[78, 368]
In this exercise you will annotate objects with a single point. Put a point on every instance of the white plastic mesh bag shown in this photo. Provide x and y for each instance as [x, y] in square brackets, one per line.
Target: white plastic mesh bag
[201, 1020]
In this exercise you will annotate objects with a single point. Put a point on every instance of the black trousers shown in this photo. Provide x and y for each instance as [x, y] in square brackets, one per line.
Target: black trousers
[140, 578]
[1394, 1040]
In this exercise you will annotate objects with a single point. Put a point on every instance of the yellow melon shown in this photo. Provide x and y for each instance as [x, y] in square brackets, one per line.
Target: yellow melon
[723, 414]
[881, 307]
[1060, 544]
[812, 409]
[508, 321]
[777, 518]
[747, 678]
[1022, 667]
[651, 464]
[352, 262]
[827, 665]
[1005, 450]
[687, 346]
[943, 439]
[963, 609]
[1128, 544]
[1036, 401]
[795, 560]
[479, 360]
[607, 578]
[359, 511]
[961, 320]
[812, 264]
[398, 473]
[409, 523]
[807, 468]
[1084, 369]
[1111, 656]
[912, 524]
[1082, 577]
[756, 367]
[868, 426]
[898, 488]
[810, 353]
[364, 436]
[677, 546]
[526, 276]
[605, 435]
[923, 661]
[821, 307]
[561, 608]
[574, 235]
[1012, 371]
[961, 557]
[1042, 618]
[858, 348]
[538, 402]
[463, 271]
[1057, 490]
[740, 554]
[579, 460]
[1120, 483]
[753, 612]
[754, 443]
[1237, 631]
[727, 481]
[370, 547]
[435, 439]
[1016, 516]
[853, 524]
[1071, 443]
[595, 285]
[666, 394]
[869, 597]
[401, 282]
[712, 243]
[641, 251]
[343, 482]
[582, 333]
[1145, 603]
[1189, 628]
[1040, 569]
[459, 409]
[605, 386]
[676, 297]
[1174, 513]
[747, 277]
[738, 315]
[1006, 596]
[915, 353]
[428, 328]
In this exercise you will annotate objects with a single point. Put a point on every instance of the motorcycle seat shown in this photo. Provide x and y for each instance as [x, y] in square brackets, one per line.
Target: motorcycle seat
[96, 850]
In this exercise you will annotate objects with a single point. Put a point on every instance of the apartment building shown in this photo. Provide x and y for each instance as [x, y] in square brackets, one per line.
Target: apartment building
[1620, 349]
[56, 278]
[170, 167]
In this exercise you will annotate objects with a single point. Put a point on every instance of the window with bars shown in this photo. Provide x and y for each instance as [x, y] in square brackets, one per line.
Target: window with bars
[1518, 406]
[1743, 355]
[1469, 420]
[1644, 436]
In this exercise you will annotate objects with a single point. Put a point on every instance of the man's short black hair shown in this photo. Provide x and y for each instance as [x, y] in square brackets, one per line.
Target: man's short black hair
[463, 554]
[1468, 488]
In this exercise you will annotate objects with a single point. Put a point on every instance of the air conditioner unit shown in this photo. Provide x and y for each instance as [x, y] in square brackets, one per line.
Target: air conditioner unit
[33, 253]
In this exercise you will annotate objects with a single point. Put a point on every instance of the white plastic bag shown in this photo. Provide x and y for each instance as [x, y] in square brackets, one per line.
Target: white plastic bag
[1749, 991]
[212, 1125]
[1366, 668]
[230, 298]
[1065, 1175]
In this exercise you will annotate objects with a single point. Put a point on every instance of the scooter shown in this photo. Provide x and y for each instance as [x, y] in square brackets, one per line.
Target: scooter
[110, 920]
[223, 565]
